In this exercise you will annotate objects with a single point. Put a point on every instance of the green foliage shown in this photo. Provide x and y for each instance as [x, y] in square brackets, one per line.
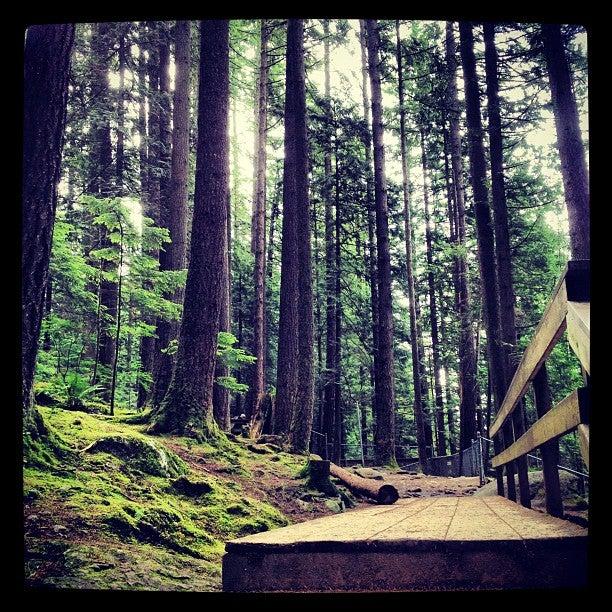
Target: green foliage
[234, 358]
[78, 264]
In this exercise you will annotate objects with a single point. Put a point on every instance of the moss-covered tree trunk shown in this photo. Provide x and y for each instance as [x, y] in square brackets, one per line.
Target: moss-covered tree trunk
[187, 408]
[46, 70]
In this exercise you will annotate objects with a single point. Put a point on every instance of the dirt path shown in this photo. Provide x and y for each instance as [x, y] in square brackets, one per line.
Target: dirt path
[421, 485]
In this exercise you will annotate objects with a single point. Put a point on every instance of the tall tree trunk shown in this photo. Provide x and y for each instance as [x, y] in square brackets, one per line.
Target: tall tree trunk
[502, 244]
[257, 388]
[318, 424]
[287, 356]
[295, 118]
[370, 206]
[221, 395]
[329, 384]
[340, 433]
[113, 387]
[143, 167]
[120, 161]
[414, 333]
[102, 162]
[433, 311]
[235, 173]
[176, 250]
[467, 353]
[427, 421]
[385, 401]
[187, 408]
[46, 70]
[569, 142]
[484, 229]
[274, 213]
[163, 162]
[147, 343]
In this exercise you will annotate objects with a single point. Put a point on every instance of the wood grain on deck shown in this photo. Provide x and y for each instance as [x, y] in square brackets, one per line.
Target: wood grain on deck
[444, 519]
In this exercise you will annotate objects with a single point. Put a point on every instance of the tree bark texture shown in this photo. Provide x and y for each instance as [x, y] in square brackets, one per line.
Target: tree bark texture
[176, 250]
[569, 141]
[187, 408]
[385, 401]
[46, 70]
[301, 425]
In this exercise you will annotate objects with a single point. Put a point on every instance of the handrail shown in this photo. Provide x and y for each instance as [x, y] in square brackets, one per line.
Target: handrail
[564, 417]
[569, 308]
[572, 287]
[560, 467]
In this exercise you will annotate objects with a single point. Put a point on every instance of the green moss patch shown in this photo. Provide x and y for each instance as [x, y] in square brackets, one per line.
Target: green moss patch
[142, 454]
[130, 502]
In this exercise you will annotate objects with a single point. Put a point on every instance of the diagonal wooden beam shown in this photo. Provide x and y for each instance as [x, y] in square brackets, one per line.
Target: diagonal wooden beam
[565, 416]
[546, 335]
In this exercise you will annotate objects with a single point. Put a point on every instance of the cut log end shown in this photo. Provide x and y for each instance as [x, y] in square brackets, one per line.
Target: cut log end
[387, 494]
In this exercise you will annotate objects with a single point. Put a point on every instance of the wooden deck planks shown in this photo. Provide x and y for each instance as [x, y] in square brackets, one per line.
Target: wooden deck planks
[442, 543]
[435, 519]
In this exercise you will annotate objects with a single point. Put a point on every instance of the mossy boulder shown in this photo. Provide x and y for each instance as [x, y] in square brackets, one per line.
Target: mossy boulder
[140, 454]
[262, 449]
[191, 487]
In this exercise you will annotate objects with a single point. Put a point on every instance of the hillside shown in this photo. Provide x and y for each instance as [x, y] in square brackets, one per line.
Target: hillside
[144, 512]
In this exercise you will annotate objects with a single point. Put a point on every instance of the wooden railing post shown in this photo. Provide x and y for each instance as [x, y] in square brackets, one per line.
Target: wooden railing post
[507, 436]
[521, 462]
[549, 450]
[499, 471]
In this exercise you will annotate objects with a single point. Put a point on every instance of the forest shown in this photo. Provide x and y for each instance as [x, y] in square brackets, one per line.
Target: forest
[250, 241]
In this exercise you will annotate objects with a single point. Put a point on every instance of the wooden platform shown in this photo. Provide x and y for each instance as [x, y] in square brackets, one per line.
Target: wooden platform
[442, 543]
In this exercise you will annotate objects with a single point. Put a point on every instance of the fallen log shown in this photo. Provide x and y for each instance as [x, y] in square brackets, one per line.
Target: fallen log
[382, 493]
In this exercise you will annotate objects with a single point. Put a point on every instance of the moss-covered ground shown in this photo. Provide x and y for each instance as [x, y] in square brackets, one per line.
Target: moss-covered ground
[120, 509]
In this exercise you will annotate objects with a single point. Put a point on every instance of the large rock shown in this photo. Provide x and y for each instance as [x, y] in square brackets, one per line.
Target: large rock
[140, 454]
[191, 487]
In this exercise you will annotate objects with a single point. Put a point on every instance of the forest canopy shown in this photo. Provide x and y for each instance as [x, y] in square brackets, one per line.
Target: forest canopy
[341, 232]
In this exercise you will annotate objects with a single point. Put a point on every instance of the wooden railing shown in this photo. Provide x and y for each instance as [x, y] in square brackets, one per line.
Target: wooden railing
[568, 309]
